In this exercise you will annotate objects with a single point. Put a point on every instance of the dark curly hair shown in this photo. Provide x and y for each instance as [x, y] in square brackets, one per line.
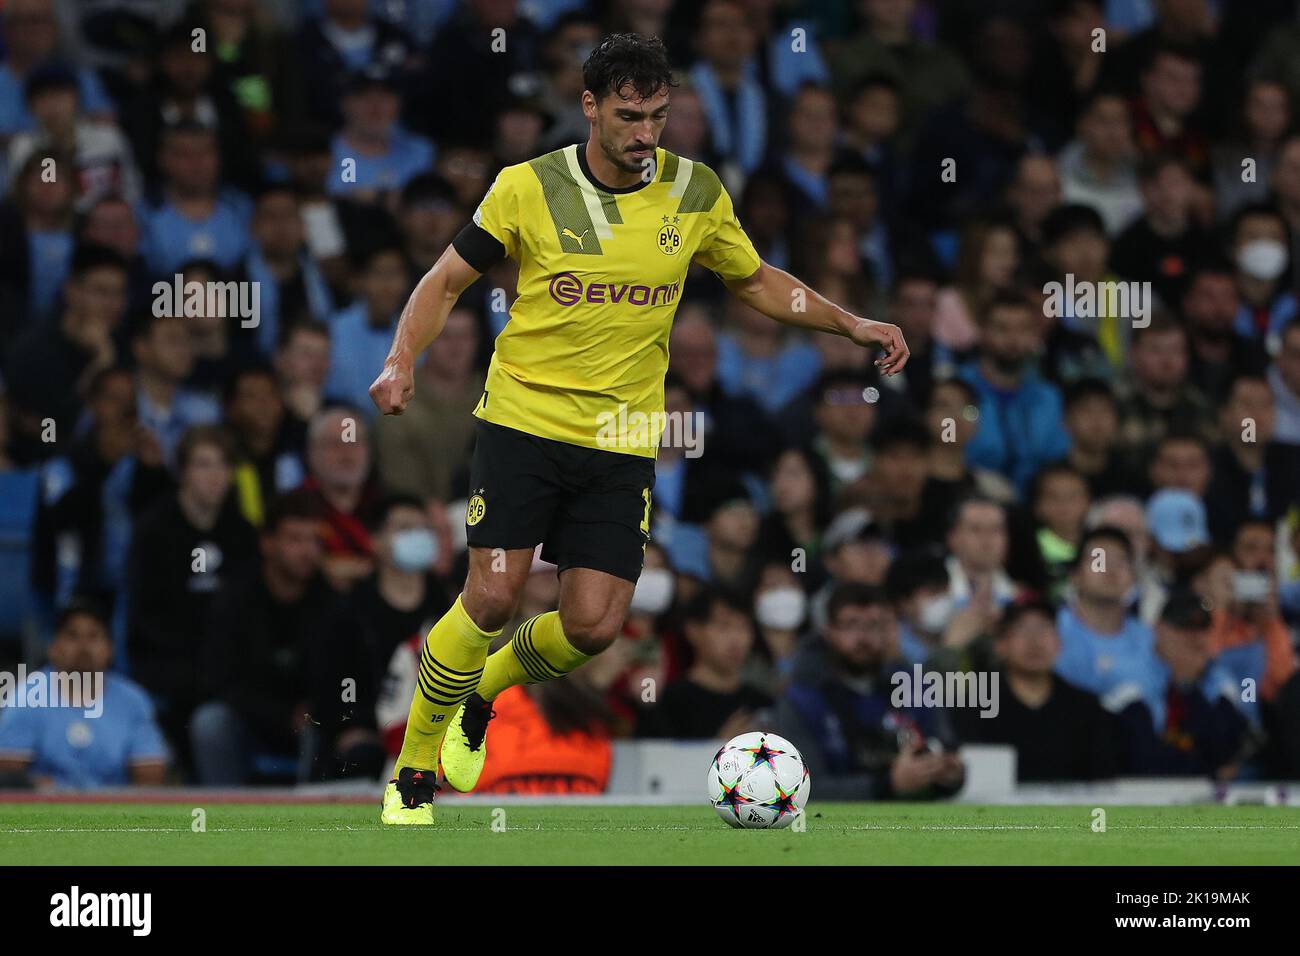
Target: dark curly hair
[624, 59]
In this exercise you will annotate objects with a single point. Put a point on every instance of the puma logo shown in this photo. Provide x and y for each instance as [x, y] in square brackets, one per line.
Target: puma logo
[574, 236]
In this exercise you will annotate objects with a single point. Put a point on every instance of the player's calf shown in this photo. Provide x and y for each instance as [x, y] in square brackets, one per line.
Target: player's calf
[588, 636]
[593, 607]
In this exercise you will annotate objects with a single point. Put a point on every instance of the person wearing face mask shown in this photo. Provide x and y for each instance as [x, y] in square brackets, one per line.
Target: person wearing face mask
[781, 610]
[403, 595]
[1263, 263]
[918, 583]
[653, 595]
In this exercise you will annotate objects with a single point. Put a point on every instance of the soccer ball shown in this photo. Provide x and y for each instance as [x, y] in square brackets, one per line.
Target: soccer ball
[758, 781]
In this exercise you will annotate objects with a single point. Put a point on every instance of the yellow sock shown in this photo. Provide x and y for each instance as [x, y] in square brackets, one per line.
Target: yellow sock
[538, 652]
[451, 665]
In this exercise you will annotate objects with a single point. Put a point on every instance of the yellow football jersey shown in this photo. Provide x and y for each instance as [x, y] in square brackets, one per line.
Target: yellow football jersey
[583, 358]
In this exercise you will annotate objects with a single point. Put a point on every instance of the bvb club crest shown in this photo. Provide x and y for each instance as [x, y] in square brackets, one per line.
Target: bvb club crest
[475, 510]
[669, 240]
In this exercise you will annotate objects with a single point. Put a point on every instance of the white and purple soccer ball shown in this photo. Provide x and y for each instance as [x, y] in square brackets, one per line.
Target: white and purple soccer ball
[758, 781]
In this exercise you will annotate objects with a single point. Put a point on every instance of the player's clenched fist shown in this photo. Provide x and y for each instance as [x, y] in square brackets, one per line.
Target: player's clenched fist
[393, 389]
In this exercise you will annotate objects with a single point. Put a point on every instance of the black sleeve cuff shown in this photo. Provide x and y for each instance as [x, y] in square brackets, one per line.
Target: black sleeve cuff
[478, 247]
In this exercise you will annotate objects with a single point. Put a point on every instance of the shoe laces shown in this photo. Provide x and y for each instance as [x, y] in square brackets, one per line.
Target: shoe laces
[474, 723]
[417, 787]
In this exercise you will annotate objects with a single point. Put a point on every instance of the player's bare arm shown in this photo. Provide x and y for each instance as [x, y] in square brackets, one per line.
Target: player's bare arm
[422, 321]
[772, 291]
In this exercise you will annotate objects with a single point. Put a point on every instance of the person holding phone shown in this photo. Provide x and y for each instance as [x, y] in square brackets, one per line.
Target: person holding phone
[1248, 636]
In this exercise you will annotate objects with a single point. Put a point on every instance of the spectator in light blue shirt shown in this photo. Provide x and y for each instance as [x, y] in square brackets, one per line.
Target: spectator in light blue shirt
[1103, 645]
[814, 128]
[290, 282]
[757, 358]
[373, 154]
[725, 79]
[1187, 722]
[14, 115]
[99, 732]
[196, 218]
[1022, 425]
[164, 356]
[47, 207]
[31, 39]
[362, 333]
[789, 64]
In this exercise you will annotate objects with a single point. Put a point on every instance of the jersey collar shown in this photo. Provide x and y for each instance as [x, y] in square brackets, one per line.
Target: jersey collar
[613, 190]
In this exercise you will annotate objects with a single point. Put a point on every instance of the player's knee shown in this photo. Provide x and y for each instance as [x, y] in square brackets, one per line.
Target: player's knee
[590, 633]
[490, 605]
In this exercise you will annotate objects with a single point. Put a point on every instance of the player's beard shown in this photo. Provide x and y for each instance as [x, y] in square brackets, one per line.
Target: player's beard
[620, 158]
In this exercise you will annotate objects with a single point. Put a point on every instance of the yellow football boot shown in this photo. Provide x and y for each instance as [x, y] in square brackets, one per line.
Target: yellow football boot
[408, 800]
[464, 747]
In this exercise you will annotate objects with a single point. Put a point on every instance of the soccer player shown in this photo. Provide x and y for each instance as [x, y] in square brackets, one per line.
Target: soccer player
[604, 233]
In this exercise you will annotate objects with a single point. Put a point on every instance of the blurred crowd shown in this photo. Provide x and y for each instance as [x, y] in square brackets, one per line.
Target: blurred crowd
[1101, 506]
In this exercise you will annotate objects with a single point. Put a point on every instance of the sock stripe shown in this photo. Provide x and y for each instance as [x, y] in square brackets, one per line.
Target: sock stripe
[445, 685]
[525, 653]
[452, 659]
[536, 665]
[540, 662]
[442, 701]
[450, 670]
[527, 626]
[437, 694]
[434, 671]
[436, 686]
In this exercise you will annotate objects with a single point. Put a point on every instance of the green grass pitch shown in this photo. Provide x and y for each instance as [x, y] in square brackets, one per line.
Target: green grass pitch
[349, 834]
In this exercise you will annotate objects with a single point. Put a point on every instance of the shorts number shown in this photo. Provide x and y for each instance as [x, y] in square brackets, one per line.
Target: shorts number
[645, 519]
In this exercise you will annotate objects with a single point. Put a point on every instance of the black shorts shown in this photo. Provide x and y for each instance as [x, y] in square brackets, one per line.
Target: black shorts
[587, 507]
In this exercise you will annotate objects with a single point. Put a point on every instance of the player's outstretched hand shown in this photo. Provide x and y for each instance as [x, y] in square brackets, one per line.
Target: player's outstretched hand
[393, 389]
[889, 337]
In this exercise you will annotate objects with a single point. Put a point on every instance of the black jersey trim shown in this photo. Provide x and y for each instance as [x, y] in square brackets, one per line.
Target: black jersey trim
[478, 247]
[591, 178]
